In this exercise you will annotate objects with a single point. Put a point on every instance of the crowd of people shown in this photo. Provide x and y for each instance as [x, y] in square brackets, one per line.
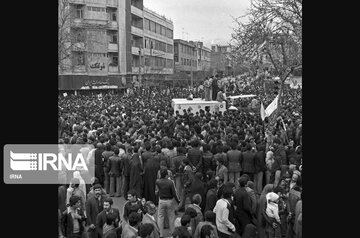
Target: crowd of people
[223, 172]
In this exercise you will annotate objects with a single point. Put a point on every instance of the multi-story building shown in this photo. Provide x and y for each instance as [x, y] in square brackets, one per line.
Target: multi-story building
[191, 58]
[111, 44]
[221, 62]
[203, 57]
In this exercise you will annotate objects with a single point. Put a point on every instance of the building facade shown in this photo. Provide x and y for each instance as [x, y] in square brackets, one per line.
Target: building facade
[103, 44]
[192, 59]
[221, 62]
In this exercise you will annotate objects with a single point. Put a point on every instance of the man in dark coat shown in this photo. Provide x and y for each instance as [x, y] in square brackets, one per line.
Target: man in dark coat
[115, 171]
[151, 168]
[125, 161]
[248, 162]
[215, 88]
[136, 172]
[94, 206]
[99, 171]
[72, 222]
[101, 217]
[195, 156]
[242, 203]
[211, 197]
[198, 187]
[260, 168]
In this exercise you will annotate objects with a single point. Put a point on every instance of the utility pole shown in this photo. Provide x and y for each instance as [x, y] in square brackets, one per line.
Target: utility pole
[139, 79]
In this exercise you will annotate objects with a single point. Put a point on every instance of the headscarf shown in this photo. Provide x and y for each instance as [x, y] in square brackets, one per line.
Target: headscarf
[271, 197]
[82, 185]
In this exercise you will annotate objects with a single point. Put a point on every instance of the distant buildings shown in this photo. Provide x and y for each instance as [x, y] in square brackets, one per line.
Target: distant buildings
[221, 62]
[112, 44]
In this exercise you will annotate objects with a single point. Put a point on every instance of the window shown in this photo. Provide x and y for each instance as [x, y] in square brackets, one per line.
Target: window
[114, 39]
[176, 58]
[114, 60]
[152, 26]
[79, 12]
[158, 29]
[146, 24]
[113, 16]
[163, 31]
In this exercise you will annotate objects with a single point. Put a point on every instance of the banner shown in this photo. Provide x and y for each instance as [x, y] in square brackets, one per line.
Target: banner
[272, 107]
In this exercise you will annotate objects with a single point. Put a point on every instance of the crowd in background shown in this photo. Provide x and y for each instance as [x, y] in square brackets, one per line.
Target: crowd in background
[229, 177]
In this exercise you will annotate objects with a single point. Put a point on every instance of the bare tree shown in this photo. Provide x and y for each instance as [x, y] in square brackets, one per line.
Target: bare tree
[270, 34]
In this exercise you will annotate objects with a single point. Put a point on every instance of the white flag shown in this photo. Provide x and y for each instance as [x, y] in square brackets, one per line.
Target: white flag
[262, 112]
[272, 107]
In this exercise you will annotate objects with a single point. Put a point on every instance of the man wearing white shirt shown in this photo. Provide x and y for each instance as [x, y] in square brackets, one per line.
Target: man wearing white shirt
[222, 211]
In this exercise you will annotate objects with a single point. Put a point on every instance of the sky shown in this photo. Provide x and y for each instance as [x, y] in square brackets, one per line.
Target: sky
[209, 21]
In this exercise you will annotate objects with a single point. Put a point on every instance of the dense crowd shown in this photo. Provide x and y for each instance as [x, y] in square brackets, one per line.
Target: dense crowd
[223, 172]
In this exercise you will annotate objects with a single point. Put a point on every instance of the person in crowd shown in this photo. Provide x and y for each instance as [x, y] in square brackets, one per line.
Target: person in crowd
[195, 156]
[234, 159]
[210, 219]
[207, 231]
[101, 219]
[167, 194]
[94, 205]
[196, 201]
[146, 230]
[105, 157]
[136, 169]
[243, 207]
[260, 167]
[248, 162]
[132, 205]
[182, 231]
[151, 168]
[73, 221]
[272, 211]
[211, 196]
[131, 228]
[221, 170]
[222, 210]
[125, 164]
[197, 186]
[149, 218]
[115, 172]
[260, 208]
[111, 226]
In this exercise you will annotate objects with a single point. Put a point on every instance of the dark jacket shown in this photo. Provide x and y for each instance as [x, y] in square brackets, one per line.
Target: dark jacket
[125, 161]
[195, 158]
[93, 208]
[243, 209]
[101, 219]
[260, 164]
[234, 158]
[67, 224]
[248, 162]
[115, 166]
[211, 200]
[208, 162]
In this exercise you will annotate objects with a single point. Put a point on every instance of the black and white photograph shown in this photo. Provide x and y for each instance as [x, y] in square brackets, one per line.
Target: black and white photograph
[191, 116]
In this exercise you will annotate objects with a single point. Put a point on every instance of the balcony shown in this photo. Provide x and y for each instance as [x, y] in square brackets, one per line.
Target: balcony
[112, 3]
[136, 31]
[113, 69]
[113, 25]
[113, 47]
[136, 11]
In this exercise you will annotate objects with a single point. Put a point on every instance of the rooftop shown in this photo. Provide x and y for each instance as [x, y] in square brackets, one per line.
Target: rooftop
[158, 15]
